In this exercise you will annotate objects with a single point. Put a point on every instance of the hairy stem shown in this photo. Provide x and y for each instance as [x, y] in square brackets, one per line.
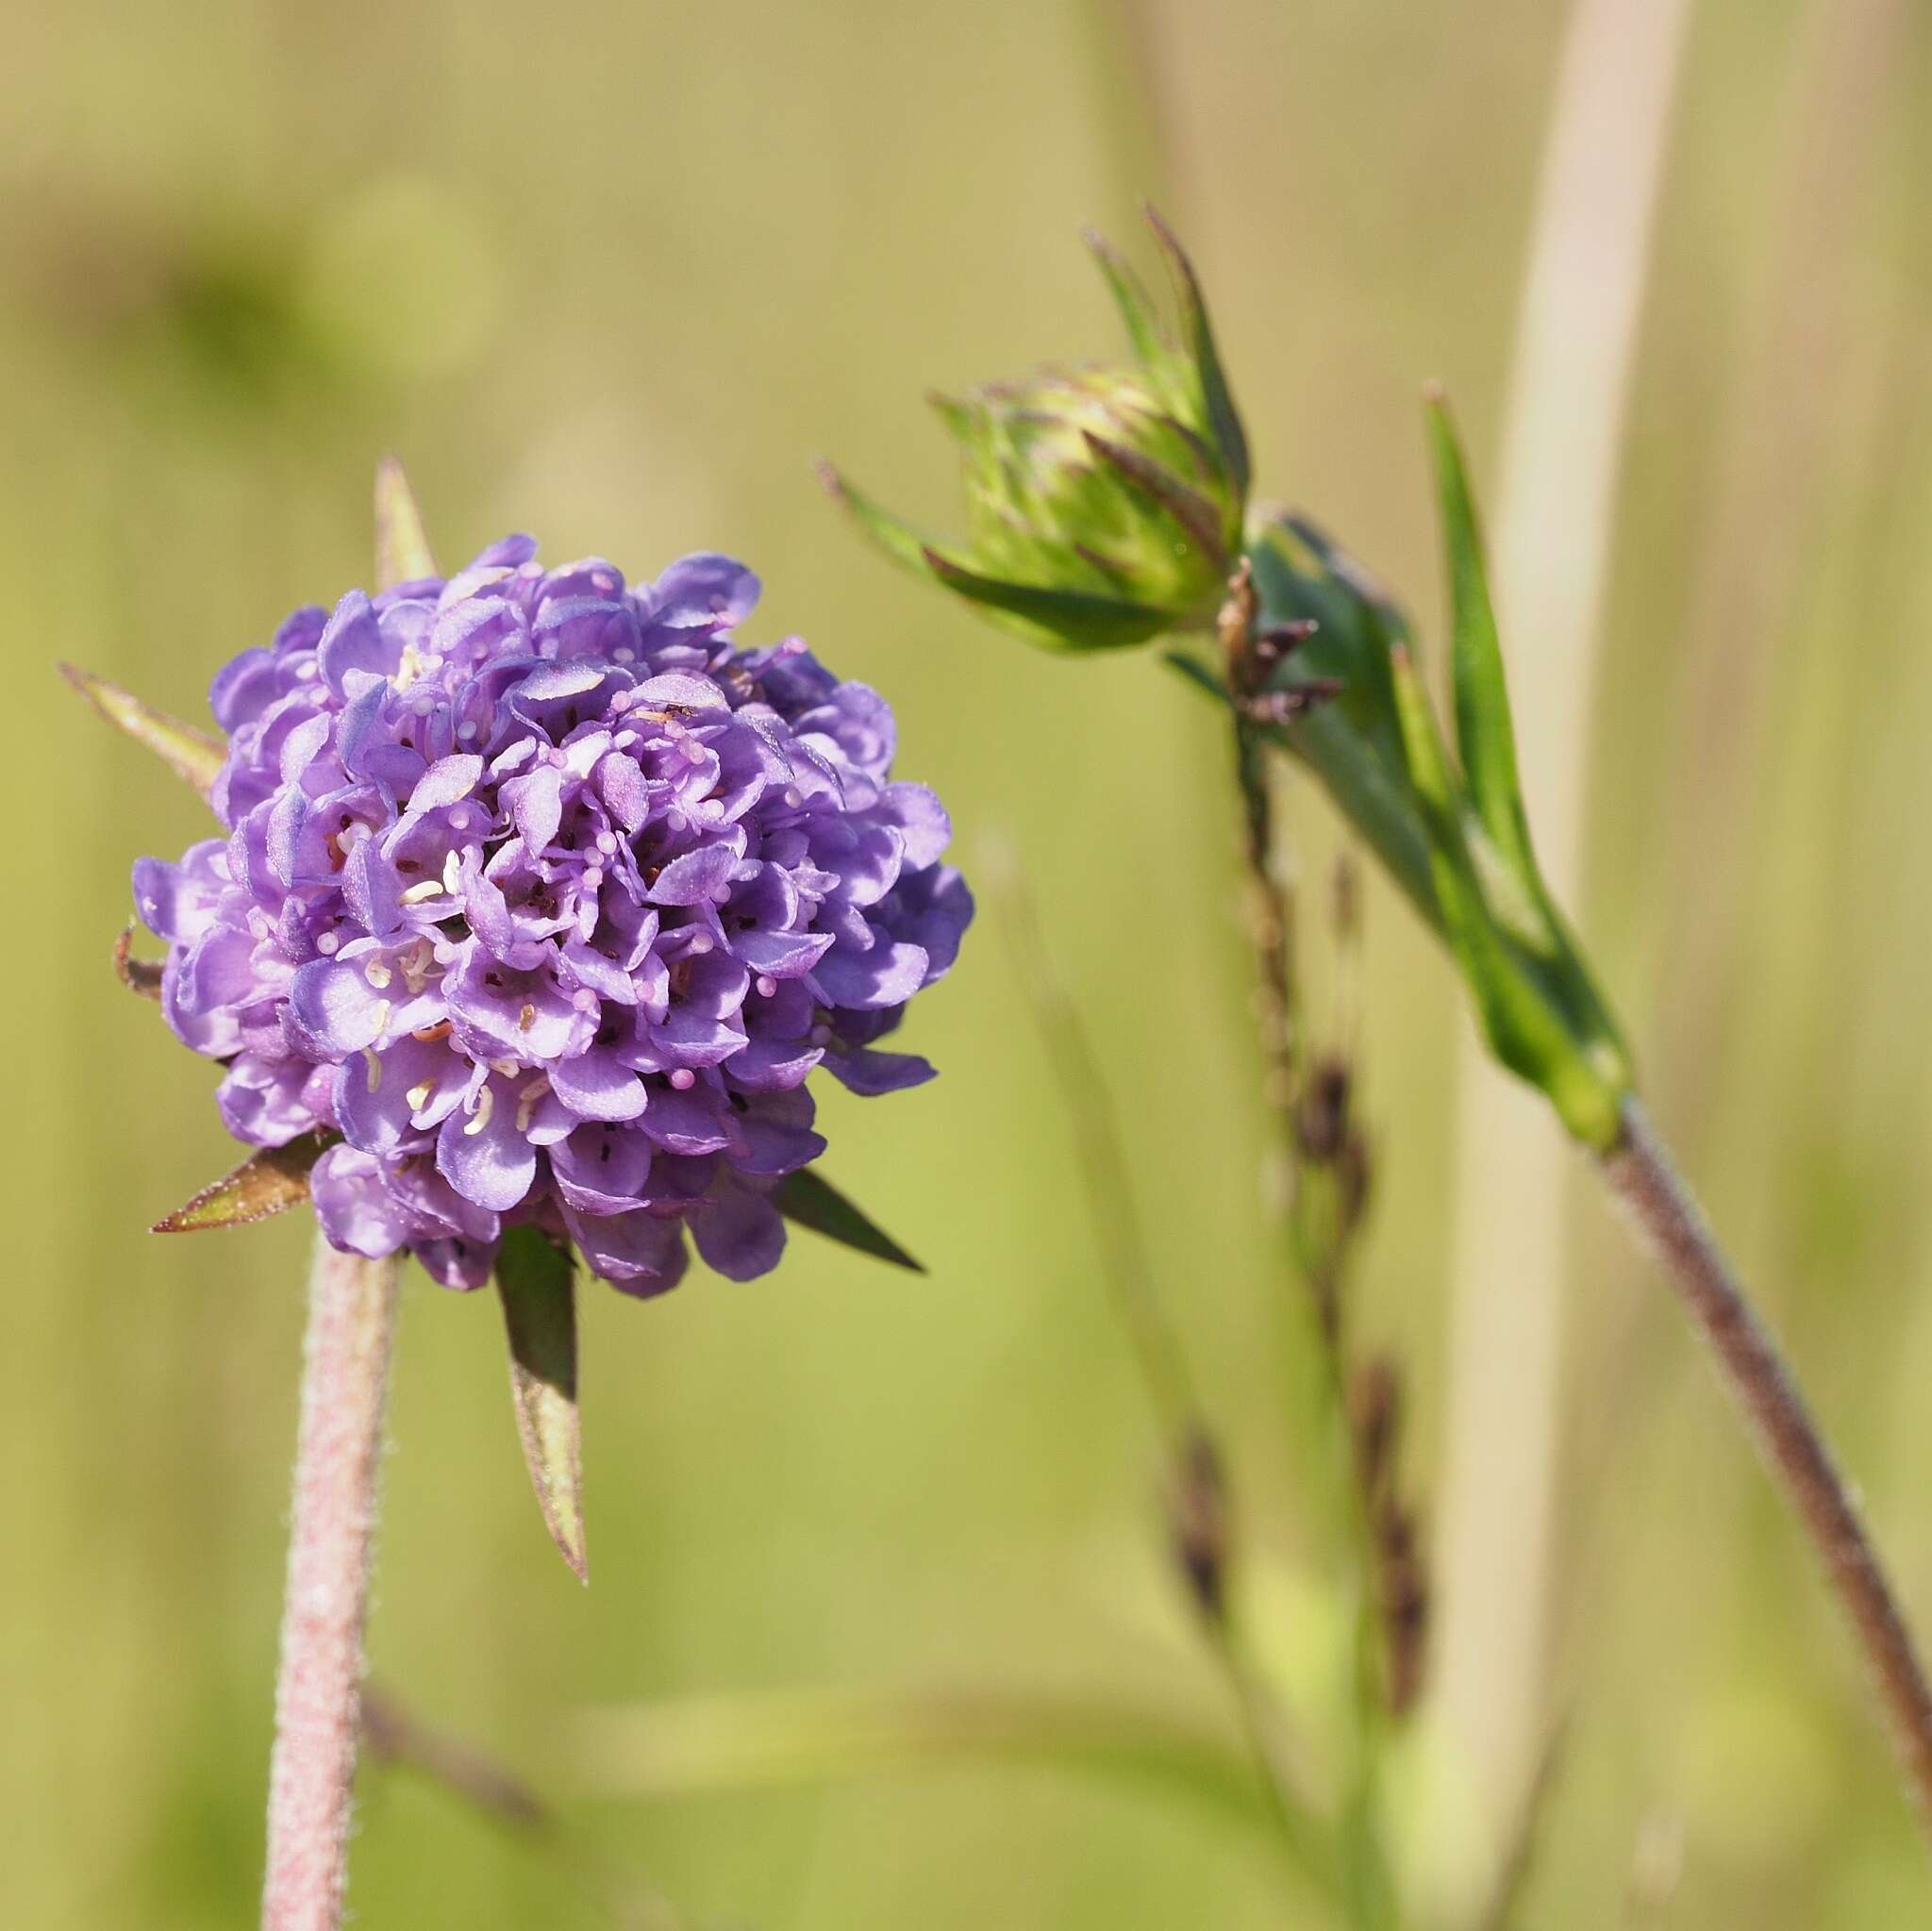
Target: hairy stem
[1642, 1175]
[338, 1450]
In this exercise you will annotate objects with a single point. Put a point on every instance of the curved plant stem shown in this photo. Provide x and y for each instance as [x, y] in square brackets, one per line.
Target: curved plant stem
[338, 1450]
[1641, 1172]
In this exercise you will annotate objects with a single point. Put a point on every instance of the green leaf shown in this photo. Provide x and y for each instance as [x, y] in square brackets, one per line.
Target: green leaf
[816, 1204]
[1486, 741]
[269, 1182]
[1137, 312]
[141, 975]
[1060, 619]
[402, 550]
[1523, 1029]
[534, 1280]
[1485, 734]
[193, 756]
[1216, 398]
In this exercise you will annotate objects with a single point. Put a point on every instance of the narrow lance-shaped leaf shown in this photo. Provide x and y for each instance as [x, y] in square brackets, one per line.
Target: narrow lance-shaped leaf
[1485, 733]
[269, 1182]
[1486, 738]
[402, 550]
[539, 1295]
[193, 756]
[1525, 1034]
[816, 1204]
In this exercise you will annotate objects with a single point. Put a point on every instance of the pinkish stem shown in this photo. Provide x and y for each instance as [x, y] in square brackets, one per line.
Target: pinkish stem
[338, 1452]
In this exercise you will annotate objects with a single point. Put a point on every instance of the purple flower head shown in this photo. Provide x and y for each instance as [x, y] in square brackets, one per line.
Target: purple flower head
[548, 899]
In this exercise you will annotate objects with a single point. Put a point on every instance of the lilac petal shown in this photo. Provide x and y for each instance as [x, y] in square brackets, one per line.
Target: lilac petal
[388, 1100]
[354, 1208]
[446, 781]
[455, 1262]
[705, 589]
[781, 954]
[178, 901]
[597, 1085]
[873, 1073]
[352, 640]
[640, 1252]
[264, 1102]
[685, 1122]
[482, 1155]
[885, 975]
[535, 807]
[336, 1007]
[921, 818]
[602, 1169]
[678, 690]
[741, 1234]
[695, 876]
[218, 971]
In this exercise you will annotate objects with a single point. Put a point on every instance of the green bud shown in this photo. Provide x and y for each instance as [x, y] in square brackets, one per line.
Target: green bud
[1105, 505]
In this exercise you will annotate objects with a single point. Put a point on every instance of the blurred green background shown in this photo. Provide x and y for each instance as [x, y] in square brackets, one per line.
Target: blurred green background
[615, 274]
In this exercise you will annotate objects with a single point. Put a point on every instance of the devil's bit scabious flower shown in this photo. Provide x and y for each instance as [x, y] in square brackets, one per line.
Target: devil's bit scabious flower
[548, 898]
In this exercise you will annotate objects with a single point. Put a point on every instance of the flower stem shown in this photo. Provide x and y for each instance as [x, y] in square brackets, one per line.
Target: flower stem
[338, 1451]
[1641, 1172]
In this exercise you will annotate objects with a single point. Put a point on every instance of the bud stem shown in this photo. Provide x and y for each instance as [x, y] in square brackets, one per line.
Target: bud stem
[338, 1451]
[1642, 1175]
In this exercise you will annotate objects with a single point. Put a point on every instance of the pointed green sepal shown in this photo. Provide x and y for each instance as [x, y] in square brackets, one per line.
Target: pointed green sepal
[1216, 399]
[816, 1204]
[1138, 315]
[401, 549]
[1060, 618]
[267, 1183]
[1190, 512]
[193, 756]
[904, 544]
[536, 1285]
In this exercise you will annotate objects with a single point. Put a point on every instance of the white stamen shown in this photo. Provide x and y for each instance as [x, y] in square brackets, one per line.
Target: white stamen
[430, 887]
[508, 1068]
[417, 1096]
[452, 876]
[376, 974]
[529, 1100]
[415, 964]
[374, 1065]
[382, 1013]
[486, 1102]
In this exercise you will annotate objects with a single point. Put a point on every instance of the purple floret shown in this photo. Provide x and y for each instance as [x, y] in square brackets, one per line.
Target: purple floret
[548, 900]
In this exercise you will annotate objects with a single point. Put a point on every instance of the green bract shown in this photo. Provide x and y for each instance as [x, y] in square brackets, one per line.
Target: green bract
[1105, 507]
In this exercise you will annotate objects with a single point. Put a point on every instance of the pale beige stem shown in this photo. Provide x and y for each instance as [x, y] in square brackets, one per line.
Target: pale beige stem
[338, 1451]
[1576, 334]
